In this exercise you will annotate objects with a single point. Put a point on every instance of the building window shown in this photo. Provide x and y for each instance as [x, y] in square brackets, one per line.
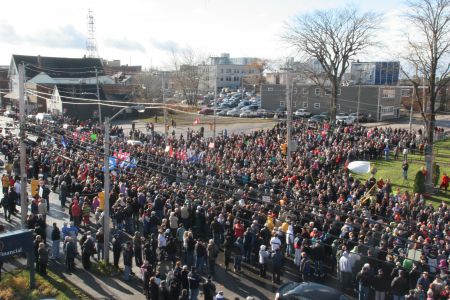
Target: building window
[406, 92]
[295, 91]
[339, 91]
[282, 104]
[305, 105]
[327, 91]
[270, 89]
[221, 71]
[221, 78]
[294, 104]
[317, 91]
[388, 93]
[305, 91]
[228, 70]
[338, 107]
[316, 105]
[387, 110]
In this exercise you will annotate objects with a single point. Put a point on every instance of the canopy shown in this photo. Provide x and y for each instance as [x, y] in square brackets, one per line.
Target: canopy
[359, 167]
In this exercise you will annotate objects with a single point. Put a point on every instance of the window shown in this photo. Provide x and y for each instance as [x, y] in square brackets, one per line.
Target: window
[339, 91]
[270, 89]
[228, 70]
[221, 71]
[221, 78]
[406, 92]
[282, 104]
[294, 104]
[327, 91]
[338, 107]
[317, 91]
[305, 105]
[295, 91]
[316, 105]
[387, 110]
[388, 93]
[305, 91]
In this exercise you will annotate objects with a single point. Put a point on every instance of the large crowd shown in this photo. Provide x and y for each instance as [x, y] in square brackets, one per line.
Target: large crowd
[185, 200]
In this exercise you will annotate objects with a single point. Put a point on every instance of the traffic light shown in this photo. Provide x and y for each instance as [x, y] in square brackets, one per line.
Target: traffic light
[283, 148]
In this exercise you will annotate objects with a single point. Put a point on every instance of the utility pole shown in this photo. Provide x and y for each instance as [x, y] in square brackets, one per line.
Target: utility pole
[23, 154]
[106, 227]
[98, 98]
[288, 121]
[215, 105]
[359, 97]
[166, 131]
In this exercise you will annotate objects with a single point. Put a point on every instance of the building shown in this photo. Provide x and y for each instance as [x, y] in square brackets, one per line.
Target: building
[377, 102]
[375, 73]
[226, 72]
[67, 80]
[4, 85]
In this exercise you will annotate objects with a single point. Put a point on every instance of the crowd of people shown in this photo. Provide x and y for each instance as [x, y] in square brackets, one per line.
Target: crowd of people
[185, 200]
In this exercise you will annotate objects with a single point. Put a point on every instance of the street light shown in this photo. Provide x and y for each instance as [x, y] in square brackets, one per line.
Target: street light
[106, 227]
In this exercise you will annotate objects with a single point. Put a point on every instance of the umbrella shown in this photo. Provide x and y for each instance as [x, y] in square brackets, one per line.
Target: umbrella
[359, 167]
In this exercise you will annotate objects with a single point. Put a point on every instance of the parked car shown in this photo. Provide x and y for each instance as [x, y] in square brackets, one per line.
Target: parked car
[348, 120]
[235, 112]
[41, 117]
[308, 291]
[304, 113]
[361, 117]
[248, 114]
[263, 113]
[317, 119]
[206, 111]
[223, 112]
[9, 114]
[340, 117]
[281, 112]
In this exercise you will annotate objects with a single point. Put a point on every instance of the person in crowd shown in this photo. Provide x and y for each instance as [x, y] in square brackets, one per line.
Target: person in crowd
[400, 286]
[209, 289]
[277, 265]
[128, 261]
[364, 279]
[380, 285]
[194, 284]
[42, 259]
[56, 239]
[264, 256]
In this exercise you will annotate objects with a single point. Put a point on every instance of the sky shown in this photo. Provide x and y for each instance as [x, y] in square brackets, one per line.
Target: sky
[147, 32]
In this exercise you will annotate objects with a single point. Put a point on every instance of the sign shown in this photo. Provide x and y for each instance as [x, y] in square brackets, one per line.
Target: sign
[101, 197]
[34, 187]
[267, 199]
[16, 242]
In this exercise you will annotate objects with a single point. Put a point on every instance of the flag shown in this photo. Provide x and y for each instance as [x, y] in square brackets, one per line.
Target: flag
[93, 137]
[196, 121]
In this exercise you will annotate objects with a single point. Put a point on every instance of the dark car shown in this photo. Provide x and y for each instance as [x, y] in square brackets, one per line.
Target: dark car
[206, 111]
[317, 119]
[308, 291]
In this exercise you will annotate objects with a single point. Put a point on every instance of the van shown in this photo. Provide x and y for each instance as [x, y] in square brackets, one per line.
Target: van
[40, 117]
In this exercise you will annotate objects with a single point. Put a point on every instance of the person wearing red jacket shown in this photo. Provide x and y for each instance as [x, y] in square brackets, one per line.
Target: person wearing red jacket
[238, 229]
[445, 182]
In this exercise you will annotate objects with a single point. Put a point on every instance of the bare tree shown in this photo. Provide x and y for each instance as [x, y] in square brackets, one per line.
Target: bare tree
[256, 79]
[189, 70]
[148, 86]
[429, 50]
[332, 37]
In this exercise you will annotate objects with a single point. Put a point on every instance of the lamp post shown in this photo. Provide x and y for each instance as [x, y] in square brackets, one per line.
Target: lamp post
[106, 141]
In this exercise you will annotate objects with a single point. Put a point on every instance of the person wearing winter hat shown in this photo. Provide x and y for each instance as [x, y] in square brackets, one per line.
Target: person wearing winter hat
[263, 258]
[220, 296]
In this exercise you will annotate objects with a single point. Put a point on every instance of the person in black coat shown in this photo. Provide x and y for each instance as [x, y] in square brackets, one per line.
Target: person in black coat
[153, 289]
[209, 289]
[163, 291]
[117, 249]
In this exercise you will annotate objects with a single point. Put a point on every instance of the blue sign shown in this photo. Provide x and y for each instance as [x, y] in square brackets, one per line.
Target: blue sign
[16, 242]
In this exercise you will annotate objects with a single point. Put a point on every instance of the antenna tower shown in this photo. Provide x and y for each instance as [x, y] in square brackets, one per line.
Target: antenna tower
[91, 42]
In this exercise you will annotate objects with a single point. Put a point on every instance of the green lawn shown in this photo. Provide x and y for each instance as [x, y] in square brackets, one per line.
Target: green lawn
[16, 285]
[393, 170]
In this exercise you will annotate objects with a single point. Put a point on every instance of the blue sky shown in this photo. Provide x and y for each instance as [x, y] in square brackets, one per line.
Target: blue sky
[146, 31]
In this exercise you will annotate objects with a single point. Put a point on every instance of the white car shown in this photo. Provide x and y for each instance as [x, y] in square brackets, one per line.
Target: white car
[304, 113]
[348, 120]
[248, 114]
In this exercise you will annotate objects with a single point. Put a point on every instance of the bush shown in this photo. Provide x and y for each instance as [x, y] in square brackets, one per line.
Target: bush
[419, 183]
[436, 174]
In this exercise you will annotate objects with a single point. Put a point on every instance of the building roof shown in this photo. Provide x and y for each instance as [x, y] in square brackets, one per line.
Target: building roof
[60, 67]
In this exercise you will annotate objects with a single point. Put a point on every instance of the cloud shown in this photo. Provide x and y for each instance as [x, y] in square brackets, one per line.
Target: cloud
[63, 37]
[9, 35]
[125, 44]
[165, 46]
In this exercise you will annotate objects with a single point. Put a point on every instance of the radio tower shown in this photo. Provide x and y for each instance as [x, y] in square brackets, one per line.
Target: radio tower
[91, 43]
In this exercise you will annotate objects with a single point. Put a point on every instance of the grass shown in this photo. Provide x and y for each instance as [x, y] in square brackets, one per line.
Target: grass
[392, 170]
[105, 269]
[16, 285]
